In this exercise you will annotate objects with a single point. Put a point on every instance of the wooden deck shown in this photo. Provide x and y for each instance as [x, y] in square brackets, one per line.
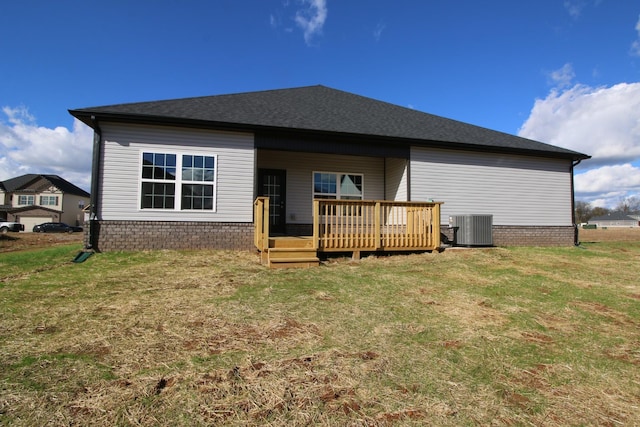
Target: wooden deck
[350, 226]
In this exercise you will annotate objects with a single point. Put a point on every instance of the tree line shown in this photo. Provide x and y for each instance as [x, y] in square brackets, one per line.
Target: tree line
[584, 211]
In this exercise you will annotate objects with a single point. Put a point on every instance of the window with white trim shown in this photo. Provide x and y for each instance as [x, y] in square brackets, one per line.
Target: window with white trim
[48, 200]
[26, 200]
[332, 185]
[178, 182]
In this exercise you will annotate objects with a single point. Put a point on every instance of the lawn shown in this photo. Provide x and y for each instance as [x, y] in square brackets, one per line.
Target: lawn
[502, 336]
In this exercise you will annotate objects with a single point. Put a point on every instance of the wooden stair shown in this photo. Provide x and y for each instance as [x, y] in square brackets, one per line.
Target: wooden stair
[290, 252]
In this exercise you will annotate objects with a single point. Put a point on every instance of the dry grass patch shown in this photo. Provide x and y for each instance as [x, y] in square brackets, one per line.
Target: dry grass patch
[518, 336]
[610, 234]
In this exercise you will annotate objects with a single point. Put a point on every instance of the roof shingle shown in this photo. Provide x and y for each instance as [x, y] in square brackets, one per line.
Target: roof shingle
[22, 182]
[323, 110]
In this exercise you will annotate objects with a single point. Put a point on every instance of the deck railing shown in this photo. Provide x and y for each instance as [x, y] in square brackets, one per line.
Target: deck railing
[362, 225]
[367, 225]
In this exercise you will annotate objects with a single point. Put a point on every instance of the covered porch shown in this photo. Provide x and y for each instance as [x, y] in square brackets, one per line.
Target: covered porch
[349, 226]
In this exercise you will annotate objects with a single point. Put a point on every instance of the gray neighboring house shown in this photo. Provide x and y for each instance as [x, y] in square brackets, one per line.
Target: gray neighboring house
[615, 219]
[184, 173]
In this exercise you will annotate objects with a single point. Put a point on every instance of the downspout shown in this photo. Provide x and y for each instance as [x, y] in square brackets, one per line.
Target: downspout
[95, 177]
[576, 239]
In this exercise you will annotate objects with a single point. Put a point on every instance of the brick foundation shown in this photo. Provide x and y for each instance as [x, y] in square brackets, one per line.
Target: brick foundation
[141, 235]
[518, 235]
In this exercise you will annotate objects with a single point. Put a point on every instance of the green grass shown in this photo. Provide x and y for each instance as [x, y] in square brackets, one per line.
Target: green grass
[516, 336]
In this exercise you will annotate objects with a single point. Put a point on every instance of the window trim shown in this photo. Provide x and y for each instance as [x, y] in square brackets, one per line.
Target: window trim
[178, 181]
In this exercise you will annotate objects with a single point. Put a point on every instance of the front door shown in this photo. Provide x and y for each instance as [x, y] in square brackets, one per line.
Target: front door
[271, 184]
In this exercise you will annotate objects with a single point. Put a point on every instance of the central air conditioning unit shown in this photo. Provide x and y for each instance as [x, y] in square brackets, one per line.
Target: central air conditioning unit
[472, 230]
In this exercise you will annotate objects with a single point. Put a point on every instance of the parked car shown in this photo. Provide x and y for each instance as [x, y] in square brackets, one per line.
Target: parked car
[55, 227]
[10, 226]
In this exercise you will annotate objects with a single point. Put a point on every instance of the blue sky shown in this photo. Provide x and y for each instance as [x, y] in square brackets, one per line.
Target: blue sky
[562, 72]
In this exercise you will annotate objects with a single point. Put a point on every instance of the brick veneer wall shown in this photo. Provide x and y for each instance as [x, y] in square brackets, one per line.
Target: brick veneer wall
[517, 235]
[140, 235]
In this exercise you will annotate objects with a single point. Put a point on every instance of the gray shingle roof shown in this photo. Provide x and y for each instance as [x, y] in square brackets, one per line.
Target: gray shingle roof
[22, 182]
[322, 110]
[613, 216]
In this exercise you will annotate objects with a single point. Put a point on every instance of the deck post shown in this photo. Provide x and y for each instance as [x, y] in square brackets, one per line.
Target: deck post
[435, 220]
[316, 224]
[265, 219]
[261, 227]
[377, 229]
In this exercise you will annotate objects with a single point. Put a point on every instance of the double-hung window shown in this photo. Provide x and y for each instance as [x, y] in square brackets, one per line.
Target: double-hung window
[332, 185]
[198, 182]
[178, 181]
[26, 200]
[48, 200]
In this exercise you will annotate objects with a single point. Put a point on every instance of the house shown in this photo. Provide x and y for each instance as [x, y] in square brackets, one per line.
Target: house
[185, 173]
[615, 219]
[36, 198]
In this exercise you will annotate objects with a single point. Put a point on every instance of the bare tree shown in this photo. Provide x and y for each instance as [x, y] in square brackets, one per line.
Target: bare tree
[599, 211]
[629, 205]
[583, 211]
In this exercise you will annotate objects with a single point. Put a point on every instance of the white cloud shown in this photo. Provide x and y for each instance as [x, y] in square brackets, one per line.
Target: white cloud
[608, 185]
[312, 18]
[603, 122]
[26, 147]
[574, 7]
[635, 46]
[562, 77]
[623, 178]
[377, 33]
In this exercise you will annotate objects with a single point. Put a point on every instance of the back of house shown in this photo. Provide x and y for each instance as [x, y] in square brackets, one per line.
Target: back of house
[185, 173]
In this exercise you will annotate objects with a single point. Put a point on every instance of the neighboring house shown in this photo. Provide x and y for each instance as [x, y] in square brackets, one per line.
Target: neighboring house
[615, 219]
[36, 198]
[184, 173]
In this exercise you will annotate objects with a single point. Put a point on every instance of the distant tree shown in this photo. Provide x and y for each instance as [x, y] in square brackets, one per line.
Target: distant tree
[629, 205]
[599, 211]
[583, 211]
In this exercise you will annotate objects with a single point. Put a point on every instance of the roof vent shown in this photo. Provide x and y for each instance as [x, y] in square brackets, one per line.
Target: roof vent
[472, 230]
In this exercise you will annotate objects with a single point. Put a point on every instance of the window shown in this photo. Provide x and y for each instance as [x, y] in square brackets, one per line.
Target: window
[197, 182]
[330, 185]
[48, 200]
[162, 186]
[26, 200]
[158, 181]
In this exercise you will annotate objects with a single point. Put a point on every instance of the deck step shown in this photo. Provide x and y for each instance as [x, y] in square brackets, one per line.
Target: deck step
[290, 242]
[292, 257]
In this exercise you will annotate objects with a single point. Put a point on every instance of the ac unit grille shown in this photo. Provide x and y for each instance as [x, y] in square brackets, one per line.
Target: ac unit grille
[472, 230]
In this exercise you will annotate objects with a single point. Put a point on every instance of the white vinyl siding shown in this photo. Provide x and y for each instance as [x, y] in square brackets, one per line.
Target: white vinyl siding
[120, 187]
[516, 190]
[396, 183]
[300, 167]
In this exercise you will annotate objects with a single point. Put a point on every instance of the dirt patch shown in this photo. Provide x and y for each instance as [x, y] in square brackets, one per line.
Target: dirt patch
[12, 242]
